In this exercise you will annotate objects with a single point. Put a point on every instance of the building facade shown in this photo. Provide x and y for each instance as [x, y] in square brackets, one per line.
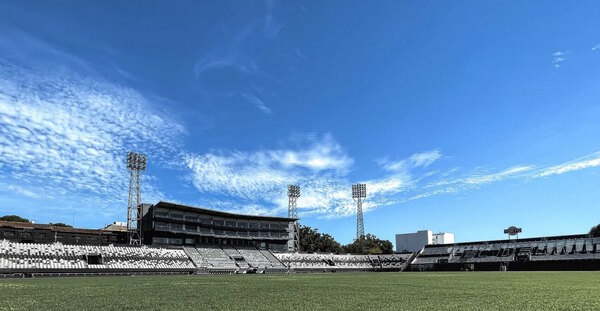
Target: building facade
[167, 223]
[414, 242]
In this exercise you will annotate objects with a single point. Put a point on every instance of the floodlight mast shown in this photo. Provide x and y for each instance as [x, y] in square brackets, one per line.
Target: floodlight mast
[359, 194]
[136, 163]
[293, 195]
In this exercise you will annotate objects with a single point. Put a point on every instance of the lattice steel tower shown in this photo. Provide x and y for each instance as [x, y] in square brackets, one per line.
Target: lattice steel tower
[136, 163]
[293, 195]
[359, 194]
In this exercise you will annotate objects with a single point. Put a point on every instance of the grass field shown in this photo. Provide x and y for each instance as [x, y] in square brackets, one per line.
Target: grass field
[341, 291]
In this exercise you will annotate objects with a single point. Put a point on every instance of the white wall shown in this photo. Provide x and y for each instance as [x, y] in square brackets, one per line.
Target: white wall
[413, 242]
[443, 238]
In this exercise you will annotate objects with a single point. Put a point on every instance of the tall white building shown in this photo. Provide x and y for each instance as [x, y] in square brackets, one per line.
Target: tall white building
[414, 242]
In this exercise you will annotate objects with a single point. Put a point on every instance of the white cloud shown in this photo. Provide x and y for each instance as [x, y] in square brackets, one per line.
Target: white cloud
[559, 57]
[259, 103]
[319, 168]
[589, 161]
[597, 47]
[66, 135]
[263, 174]
[471, 181]
[423, 159]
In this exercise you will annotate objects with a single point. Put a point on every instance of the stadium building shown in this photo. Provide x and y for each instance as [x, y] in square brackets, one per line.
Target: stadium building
[413, 242]
[181, 239]
[174, 224]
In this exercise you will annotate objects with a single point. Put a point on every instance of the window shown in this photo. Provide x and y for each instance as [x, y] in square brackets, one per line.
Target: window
[190, 228]
[161, 225]
[205, 230]
[218, 222]
[264, 225]
[193, 218]
[205, 221]
[161, 214]
[230, 233]
[242, 224]
[175, 241]
[176, 216]
[157, 240]
[230, 223]
[177, 227]
[9, 233]
[254, 225]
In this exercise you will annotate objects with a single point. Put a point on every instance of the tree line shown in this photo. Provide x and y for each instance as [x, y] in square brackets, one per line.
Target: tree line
[311, 241]
[15, 218]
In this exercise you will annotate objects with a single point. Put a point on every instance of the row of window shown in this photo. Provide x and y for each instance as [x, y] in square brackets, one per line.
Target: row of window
[218, 222]
[188, 228]
[206, 241]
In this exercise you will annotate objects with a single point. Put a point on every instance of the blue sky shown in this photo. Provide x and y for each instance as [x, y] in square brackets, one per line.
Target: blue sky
[463, 116]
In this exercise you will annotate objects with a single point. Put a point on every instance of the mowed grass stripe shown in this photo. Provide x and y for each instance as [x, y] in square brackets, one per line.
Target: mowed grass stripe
[329, 291]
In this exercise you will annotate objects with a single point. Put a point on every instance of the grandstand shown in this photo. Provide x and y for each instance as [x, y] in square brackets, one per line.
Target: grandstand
[301, 262]
[574, 252]
[187, 240]
[57, 258]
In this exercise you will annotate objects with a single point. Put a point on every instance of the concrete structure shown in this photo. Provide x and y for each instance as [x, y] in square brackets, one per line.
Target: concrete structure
[173, 224]
[414, 242]
[442, 238]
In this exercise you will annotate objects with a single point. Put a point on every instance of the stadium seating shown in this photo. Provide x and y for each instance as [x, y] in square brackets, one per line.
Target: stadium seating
[217, 260]
[504, 252]
[346, 262]
[59, 257]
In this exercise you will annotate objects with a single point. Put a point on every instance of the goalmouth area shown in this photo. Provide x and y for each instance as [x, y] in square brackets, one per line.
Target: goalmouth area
[328, 291]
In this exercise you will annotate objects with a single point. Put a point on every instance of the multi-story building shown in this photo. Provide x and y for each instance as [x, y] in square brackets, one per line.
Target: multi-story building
[414, 242]
[167, 223]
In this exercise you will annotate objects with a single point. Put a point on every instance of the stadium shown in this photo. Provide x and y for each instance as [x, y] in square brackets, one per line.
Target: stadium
[185, 249]
[194, 247]
[299, 155]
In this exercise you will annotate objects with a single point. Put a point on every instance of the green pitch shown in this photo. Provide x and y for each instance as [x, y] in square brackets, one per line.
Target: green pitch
[331, 291]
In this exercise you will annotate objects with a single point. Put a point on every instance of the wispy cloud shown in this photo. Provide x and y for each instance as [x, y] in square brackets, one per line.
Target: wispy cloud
[596, 47]
[262, 174]
[423, 159]
[257, 102]
[320, 168]
[559, 57]
[478, 179]
[65, 135]
[592, 160]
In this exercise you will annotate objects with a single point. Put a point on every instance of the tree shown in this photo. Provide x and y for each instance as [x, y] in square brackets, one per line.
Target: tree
[595, 231]
[60, 224]
[369, 244]
[14, 218]
[311, 240]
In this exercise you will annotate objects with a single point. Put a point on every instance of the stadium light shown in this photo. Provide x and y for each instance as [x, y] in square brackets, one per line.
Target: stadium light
[294, 191]
[293, 195]
[136, 163]
[359, 193]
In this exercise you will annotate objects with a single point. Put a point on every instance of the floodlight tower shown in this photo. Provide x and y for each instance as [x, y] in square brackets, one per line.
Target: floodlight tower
[293, 195]
[359, 194]
[136, 163]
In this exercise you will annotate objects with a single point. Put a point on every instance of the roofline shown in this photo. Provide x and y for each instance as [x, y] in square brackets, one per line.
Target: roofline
[224, 214]
[543, 238]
